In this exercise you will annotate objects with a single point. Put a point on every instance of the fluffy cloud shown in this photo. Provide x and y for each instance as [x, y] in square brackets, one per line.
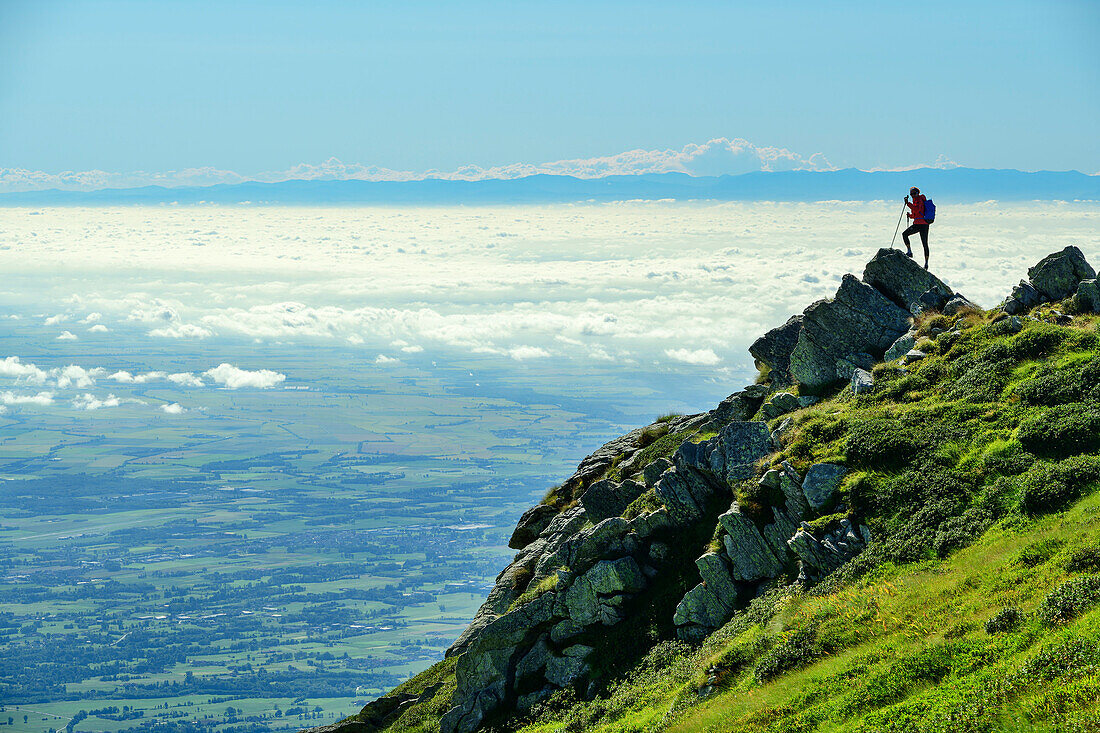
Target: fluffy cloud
[91, 318]
[181, 331]
[232, 377]
[41, 399]
[98, 328]
[88, 401]
[172, 408]
[383, 359]
[76, 376]
[702, 357]
[67, 336]
[185, 379]
[718, 156]
[12, 368]
[521, 353]
[128, 378]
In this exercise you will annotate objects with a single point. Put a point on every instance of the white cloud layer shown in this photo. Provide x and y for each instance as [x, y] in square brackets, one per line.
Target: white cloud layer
[623, 286]
[718, 156]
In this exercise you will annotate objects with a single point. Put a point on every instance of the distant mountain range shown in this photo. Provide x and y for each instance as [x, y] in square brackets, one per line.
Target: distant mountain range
[956, 184]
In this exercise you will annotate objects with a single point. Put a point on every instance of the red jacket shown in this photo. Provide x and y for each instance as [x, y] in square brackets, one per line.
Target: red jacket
[916, 208]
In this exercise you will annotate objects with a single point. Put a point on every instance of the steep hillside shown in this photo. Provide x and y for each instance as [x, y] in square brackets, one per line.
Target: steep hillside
[894, 530]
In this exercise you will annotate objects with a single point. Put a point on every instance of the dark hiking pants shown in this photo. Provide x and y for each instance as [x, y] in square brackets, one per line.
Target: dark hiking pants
[921, 229]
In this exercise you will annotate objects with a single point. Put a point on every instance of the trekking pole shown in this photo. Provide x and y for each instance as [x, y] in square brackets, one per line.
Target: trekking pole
[898, 227]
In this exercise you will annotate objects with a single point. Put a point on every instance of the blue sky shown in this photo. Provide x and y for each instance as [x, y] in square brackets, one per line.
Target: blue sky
[252, 87]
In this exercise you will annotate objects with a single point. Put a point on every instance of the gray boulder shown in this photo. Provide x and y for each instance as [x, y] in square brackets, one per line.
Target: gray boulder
[900, 347]
[750, 556]
[782, 429]
[847, 365]
[820, 555]
[531, 525]
[1058, 275]
[958, 304]
[686, 494]
[699, 612]
[715, 572]
[780, 404]
[1088, 296]
[1023, 298]
[606, 498]
[741, 445]
[858, 320]
[564, 671]
[903, 281]
[1007, 326]
[773, 350]
[595, 597]
[737, 407]
[914, 355]
[652, 472]
[821, 482]
[863, 382]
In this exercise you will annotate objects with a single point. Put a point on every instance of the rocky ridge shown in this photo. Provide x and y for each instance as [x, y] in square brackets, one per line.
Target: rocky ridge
[611, 540]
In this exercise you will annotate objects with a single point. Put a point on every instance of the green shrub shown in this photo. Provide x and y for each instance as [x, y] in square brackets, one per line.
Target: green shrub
[652, 432]
[881, 443]
[1048, 487]
[981, 376]
[1007, 458]
[1070, 599]
[794, 652]
[1061, 431]
[1041, 339]
[1056, 388]
[1038, 553]
[756, 500]
[1007, 619]
[1062, 660]
[644, 504]
[1084, 560]
[547, 584]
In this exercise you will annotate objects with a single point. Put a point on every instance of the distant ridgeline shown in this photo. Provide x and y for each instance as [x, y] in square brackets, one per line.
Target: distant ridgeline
[956, 184]
[893, 529]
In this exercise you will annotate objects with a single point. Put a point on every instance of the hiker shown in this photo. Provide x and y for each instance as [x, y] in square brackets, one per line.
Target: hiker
[917, 212]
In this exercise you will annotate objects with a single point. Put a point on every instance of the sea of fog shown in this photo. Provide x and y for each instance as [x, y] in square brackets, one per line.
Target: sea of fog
[638, 286]
[309, 431]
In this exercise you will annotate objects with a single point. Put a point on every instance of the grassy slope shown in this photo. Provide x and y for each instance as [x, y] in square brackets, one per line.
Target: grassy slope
[970, 468]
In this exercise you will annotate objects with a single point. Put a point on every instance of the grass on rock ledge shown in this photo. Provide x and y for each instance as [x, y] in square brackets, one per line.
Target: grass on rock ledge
[977, 605]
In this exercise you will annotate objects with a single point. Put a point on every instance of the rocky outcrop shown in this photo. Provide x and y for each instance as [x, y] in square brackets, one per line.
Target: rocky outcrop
[906, 283]
[821, 483]
[1055, 277]
[901, 347]
[774, 348]
[530, 525]
[858, 320]
[862, 381]
[1087, 298]
[578, 571]
[751, 555]
[607, 498]
[822, 551]
[738, 407]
